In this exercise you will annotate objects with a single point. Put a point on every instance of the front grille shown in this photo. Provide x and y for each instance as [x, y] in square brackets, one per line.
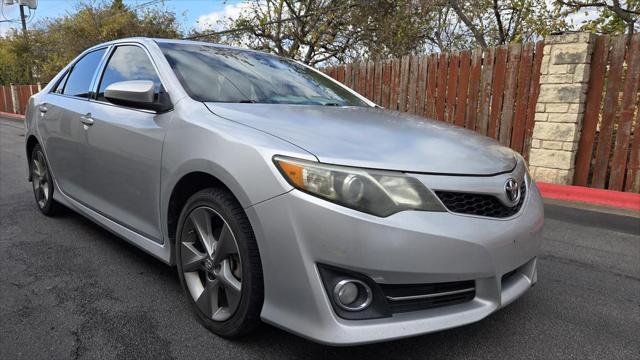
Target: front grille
[403, 298]
[479, 204]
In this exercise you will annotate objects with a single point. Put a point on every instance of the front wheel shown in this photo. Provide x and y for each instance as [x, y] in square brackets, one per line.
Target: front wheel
[219, 263]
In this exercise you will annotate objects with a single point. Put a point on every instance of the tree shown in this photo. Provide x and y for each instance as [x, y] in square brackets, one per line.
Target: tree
[615, 17]
[499, 22]
[446, 25]
[10, 70]
[311, 31]
[316, 31]
[392, 28]
[54, 42]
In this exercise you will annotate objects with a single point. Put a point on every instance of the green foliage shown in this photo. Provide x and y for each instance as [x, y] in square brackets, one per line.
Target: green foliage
[53, 43]
[612, 17]
[10, 70]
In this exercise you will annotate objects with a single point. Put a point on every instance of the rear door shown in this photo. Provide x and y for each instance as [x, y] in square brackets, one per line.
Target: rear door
[124, 148]
[61, 126]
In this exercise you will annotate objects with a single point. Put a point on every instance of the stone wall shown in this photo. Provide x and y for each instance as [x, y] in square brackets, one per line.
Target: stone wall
[564, 77]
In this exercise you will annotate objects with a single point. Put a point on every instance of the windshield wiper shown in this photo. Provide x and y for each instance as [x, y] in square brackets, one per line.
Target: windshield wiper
[331, 104]
[249, 101]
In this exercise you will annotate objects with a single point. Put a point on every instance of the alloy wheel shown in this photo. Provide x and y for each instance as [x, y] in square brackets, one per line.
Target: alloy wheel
[211, 263]
[41, 179]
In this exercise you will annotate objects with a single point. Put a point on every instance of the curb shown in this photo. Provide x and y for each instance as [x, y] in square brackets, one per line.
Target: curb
[11, 116]
[617, 199]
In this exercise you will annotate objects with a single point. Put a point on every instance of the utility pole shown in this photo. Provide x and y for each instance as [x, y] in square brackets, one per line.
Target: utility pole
[23, 19]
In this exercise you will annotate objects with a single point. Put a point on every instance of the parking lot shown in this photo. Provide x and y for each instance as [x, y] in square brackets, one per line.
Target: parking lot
[69, 289]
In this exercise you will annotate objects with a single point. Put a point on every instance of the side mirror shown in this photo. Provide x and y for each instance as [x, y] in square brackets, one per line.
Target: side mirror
[136, 93]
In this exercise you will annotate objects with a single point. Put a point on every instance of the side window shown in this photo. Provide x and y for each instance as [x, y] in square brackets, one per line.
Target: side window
[60, 85]
[79, 81]
[128, 62]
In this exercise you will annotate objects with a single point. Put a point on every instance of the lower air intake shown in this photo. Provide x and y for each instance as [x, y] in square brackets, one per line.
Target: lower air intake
[403, 298]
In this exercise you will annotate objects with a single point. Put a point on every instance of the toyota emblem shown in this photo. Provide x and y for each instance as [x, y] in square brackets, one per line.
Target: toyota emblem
[512, 189]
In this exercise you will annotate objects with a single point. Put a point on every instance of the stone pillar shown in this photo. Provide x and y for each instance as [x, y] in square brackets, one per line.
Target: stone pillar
[564, 80]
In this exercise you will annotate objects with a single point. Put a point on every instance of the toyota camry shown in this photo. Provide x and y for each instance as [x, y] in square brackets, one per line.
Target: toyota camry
[282, 196]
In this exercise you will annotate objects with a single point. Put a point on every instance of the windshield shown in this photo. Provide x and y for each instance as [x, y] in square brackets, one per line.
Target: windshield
[214, 74]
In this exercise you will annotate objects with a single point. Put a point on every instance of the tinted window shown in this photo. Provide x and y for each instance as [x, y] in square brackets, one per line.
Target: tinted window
[60, 85]
[128, 63]
[79, 81]
[232, 75]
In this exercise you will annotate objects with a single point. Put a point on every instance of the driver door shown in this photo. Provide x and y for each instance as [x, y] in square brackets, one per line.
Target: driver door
[125, 148]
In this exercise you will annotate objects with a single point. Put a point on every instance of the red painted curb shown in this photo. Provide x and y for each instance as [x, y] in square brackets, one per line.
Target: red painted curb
[618, 199]
[11, 115]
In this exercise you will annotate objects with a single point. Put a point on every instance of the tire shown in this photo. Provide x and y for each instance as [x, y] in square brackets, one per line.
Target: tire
[221, 276]
[42, 183]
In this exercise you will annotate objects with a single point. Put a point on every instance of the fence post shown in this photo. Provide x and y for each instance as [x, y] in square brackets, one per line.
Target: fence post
[14, 98]
[564, 82]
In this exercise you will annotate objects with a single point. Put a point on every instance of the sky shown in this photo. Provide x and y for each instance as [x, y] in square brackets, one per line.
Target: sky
[201, 14]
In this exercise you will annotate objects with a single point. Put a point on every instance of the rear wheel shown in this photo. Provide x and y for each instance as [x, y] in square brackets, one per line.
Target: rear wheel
[219, 264]
[42, 183]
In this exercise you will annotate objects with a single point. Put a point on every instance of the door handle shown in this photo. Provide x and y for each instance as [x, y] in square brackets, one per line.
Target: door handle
[43, 108]
[86, 119]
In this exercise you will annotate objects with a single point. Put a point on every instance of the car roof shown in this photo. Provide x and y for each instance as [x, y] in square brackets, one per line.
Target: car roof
[147, 40]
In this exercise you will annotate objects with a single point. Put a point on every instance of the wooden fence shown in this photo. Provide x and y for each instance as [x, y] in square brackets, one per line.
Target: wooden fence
[493, 92]
[20, 94]
[609, 148]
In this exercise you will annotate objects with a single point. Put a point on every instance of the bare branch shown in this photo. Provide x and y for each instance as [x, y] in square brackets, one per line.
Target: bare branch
[477, 34]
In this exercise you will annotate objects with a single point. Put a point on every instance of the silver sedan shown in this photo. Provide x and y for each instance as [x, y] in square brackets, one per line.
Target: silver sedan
[283, 196]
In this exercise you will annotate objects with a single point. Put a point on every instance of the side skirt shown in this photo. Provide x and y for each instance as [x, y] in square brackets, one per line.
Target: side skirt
[160, 251]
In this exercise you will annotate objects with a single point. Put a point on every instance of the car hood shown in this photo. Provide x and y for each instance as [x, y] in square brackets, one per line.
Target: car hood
[375, 138]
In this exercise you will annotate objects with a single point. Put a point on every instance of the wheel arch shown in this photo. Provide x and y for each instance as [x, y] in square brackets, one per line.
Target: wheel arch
[184, 188]
[31, 143]
[194, 176]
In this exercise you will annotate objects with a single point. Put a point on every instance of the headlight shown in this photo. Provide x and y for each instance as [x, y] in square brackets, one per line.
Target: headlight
[376, 192]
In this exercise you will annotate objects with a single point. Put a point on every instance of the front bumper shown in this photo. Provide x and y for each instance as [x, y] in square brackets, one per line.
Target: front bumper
[297, 231]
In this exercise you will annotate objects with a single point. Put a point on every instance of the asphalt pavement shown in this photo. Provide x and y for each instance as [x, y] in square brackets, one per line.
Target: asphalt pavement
[71, 290]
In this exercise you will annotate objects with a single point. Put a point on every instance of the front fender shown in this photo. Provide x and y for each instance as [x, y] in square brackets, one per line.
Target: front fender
[238, 156]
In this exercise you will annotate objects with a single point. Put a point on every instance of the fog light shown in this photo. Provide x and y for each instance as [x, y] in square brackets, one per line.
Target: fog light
[352, 295]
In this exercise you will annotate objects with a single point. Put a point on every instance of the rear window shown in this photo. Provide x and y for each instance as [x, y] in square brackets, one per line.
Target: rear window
[79, 80]
[60, 85]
